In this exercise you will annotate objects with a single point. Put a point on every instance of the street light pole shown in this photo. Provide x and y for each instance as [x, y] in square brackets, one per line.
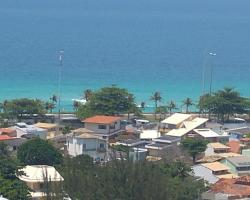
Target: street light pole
[59, 82]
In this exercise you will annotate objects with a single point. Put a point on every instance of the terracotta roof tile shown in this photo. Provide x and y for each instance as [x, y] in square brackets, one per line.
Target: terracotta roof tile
[5, 137]
[102, 119]
[7, 130]
[235, 187]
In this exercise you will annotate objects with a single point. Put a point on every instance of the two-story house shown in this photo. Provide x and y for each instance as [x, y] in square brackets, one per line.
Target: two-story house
[105, 126]
[82, 142]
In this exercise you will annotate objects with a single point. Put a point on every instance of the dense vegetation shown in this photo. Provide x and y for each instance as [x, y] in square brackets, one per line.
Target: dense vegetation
[38, 152]
[224, 103]
[108, 101]
[125, 180]
[10, 186]
[194, 146]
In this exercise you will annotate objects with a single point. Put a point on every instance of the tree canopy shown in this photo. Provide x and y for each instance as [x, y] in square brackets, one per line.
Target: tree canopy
[127, 180]
[10, 186]
[38, 152]
[17, 108]
[194, 146]
[224, 103]
[108, 101]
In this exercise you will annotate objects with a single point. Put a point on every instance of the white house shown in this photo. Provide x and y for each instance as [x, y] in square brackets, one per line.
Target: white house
[35, 177]
[23, 129]
[103, 125]
[89, 144]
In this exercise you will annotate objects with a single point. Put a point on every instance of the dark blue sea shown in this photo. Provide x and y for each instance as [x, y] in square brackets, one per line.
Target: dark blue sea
[142, 45]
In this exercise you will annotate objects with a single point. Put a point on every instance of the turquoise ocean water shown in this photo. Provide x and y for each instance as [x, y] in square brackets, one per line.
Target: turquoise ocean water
[142, 45]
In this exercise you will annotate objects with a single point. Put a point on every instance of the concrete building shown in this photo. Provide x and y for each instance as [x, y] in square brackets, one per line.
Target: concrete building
[89, 144]
[35, 177]
[23, 129]
[239, 165]
[215, 148]
[104, 125]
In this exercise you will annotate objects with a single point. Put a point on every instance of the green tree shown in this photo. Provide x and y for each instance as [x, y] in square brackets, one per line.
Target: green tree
[17, 108]
[171, 106]
[123, 179]
[49, 106]
[224, 103]
[108, 101]
[188, 102]
[38, 152]
[194, 146]
[156, 97]
[10, 186]
[162, 110]
[76, 105]
[87, 94]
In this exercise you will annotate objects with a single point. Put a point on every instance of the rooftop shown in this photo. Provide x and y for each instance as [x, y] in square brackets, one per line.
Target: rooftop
[176, 118]
[167, 139]
[150, 134]
[45, 125]
[235, 187]
[240, 130]
[89, 136]
[39, 173]
[217, 145]
[188, 126]
[157, 146]
[5, 137]
[7, 130]
[229, 154]
[131, 142]
[206, 133]
[102, 119]
[239, 161]
[215, 166]
[210, 159]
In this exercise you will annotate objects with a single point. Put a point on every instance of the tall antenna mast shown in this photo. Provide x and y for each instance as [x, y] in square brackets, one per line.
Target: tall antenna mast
[59, 82]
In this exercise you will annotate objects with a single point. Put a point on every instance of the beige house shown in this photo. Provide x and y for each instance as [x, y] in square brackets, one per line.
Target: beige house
[103, 125]
[52, 129]
[37, 177]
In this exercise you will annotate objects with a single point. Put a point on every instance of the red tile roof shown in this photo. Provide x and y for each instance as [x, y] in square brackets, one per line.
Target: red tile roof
[245, 139]
[102, 119]
[234, 146]
[7, 130]
[5, 137]
[237, 187]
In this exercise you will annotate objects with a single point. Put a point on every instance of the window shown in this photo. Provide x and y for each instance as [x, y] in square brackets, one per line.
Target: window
[83, 147]
[102, 126]
[102, 146]
[112, 126]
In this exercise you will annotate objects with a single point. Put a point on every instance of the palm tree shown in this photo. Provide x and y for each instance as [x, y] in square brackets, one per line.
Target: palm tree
[54, 98]
[87, 94]
[156, 98]
[143, 105]
[188, 102]
[171, 106]
[76, 105]
[49, 106]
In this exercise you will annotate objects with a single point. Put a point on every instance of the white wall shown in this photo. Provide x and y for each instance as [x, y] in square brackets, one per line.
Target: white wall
[75, 146]
[94, 127]
[209, 151]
